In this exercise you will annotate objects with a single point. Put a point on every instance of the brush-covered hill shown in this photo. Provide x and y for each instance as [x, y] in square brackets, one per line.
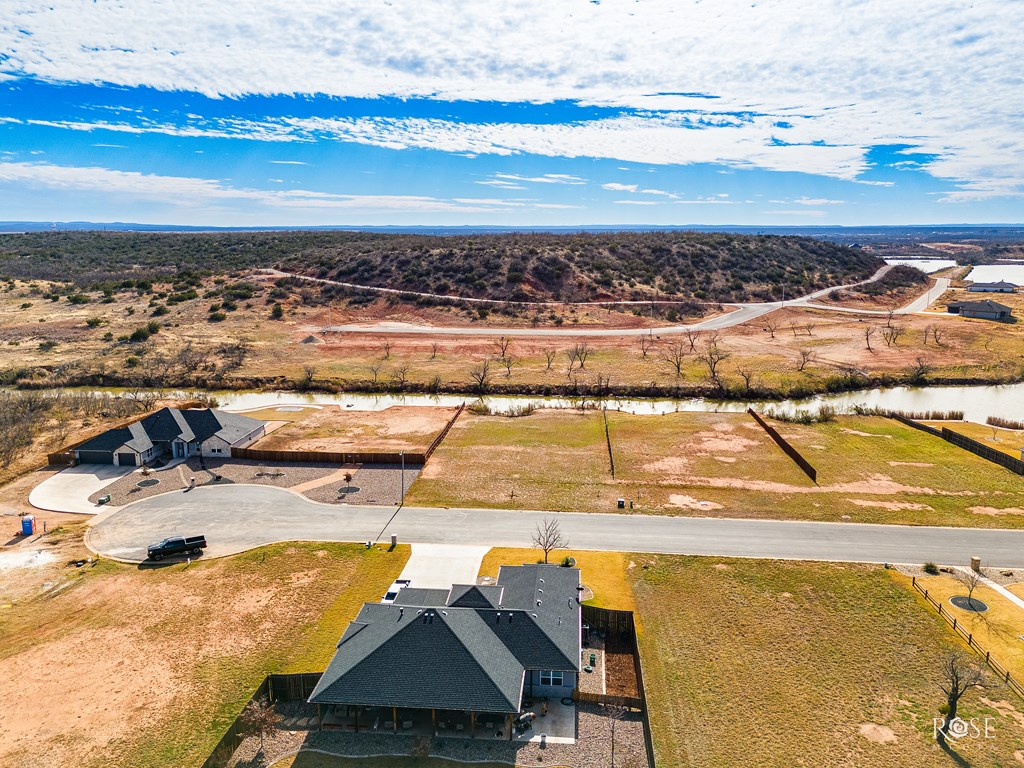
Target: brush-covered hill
[692, 266]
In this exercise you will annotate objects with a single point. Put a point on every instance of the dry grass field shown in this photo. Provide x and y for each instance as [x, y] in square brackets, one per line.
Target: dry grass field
[148, 666]
[870, 469]
[797, 664]
[1009, 441]
[333, 428]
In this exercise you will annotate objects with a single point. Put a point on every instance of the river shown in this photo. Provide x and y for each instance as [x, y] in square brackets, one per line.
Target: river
[977, 403]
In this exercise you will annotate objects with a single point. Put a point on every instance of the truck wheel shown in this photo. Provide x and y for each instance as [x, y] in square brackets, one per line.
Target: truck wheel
[197, 551]
[158, 557]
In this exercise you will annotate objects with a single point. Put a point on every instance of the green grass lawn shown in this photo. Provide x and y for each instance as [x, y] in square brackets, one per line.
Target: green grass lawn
[766, 663]
[1009, 441]
[870, 469]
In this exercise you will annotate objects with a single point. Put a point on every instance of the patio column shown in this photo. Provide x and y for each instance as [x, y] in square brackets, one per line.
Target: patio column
[394, 718]
[472, 724]
[508, 724]
[357, 719]
[433, 720]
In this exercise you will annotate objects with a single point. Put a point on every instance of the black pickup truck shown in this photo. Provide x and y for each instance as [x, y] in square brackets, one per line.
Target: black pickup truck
[176, 545]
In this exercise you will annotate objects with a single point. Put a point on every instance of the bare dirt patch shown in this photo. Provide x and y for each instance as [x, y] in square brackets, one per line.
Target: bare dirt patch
[910, 464]
[689, 502]
[995, 511]
[877, 734]
[338, 429]
[858, 433]
[895, 506]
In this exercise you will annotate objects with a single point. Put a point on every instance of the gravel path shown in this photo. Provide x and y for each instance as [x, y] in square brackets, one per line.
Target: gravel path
[283, 475]
[592, 748]
[371, 484]
[593, 682]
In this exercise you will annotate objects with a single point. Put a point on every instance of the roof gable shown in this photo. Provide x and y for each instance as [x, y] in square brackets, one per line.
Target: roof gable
[475, 596]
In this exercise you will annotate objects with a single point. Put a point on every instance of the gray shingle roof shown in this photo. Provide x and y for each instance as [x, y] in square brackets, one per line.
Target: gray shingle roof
[421, 658]
[471, 653]
[168, 424]
[981, 306]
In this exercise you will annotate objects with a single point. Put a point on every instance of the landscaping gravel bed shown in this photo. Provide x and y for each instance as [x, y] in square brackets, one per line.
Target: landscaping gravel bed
[371, 484]
[592, 748]
[591, 682]
[125, 490]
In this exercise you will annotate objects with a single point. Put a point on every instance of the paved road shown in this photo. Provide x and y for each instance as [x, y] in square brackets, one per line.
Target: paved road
[239, 517]
[741, 313]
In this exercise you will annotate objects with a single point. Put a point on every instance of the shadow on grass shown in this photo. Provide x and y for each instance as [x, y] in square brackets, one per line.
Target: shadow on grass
[955, 756]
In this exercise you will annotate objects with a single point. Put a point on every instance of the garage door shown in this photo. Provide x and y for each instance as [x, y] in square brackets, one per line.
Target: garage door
[95, 457]
[126, 459]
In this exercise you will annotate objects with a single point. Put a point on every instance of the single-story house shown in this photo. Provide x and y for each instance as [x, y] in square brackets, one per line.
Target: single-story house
[999, 287]
[471, 650]
[986, 310]
[173, 433]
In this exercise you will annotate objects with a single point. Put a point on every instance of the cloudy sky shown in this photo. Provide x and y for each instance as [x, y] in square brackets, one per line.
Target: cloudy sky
[530, 112]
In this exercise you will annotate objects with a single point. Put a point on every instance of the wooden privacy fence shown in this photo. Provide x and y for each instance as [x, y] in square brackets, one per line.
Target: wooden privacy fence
[967, 443]
[273, 688]
[349, 457]
[443, 434]
[328, 457]
[788, 449]
[620, 624]
[999, 669]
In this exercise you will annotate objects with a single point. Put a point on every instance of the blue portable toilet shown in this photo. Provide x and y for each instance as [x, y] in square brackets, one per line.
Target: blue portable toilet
[28, 525]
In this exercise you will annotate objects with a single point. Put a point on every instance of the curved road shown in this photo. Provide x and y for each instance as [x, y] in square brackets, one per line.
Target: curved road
[741, 313]
[239, 517]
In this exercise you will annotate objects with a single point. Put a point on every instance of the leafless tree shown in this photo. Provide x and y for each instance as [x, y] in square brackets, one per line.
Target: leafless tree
[959, 675]
[507, 362]
[582, 352]
[771, 325]
[693, 337]
[970, 580]
[548, 537]
[549, 357]
[308, 374]
[921, 369]
[809, 327]
[570, 358]
[260, 718]
[712, 356]
[646, 342]
[793, 326]
[806, 356]
[888, 318]
[433, 350]
[868, 333]
[400, 375]
[675, 356]
[481, 375]
[502, 344]
[937, 334]
[747, 374]
[386, 346]
[891, 334]
[375, 369]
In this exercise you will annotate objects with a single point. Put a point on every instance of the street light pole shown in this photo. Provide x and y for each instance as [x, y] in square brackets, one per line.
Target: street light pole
[401, 499]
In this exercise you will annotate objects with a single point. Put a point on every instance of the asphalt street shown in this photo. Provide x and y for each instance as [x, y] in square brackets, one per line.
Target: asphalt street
[239, 517]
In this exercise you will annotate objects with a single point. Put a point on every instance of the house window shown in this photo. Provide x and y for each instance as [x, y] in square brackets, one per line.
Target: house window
[549, 677]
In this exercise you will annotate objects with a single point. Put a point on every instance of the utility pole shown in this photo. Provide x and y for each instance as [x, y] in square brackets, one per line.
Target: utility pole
[401, 499]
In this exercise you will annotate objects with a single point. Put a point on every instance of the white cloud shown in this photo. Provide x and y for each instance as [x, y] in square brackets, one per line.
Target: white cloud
[547, 178]
[288, 162]
[832, 78]
[187, 192]
[808, 201]
[616, 187]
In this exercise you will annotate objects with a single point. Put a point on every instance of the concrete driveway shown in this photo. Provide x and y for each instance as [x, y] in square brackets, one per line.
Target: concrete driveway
[69, 490]
[239, 517]
[438, 566]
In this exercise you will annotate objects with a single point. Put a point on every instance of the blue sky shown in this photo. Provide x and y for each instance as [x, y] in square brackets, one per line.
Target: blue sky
[533, 113]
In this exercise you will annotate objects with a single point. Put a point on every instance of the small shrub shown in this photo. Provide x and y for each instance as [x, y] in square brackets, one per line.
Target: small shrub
[46, 346]
[132, 362]
[108, 336]
[216, 317]
[94, 322]
[160, 310]
[931, 569]
[139, 335]
[78, 298]
[26, 305]
[277, 312]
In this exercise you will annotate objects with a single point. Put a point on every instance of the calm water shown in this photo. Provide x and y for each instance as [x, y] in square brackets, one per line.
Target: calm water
[976, 402]
[993, 273]
[925, 265]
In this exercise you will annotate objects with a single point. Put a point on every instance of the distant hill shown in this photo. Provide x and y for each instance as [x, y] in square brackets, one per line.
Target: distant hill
[700, 266]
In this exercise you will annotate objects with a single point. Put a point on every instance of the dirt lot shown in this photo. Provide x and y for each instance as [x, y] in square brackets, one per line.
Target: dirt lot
[146, 666]
[870, 469]
[333, 428]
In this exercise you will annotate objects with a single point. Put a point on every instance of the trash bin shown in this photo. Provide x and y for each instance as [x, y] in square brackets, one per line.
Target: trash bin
[104, 499]
[622, 503]
[28, 525]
